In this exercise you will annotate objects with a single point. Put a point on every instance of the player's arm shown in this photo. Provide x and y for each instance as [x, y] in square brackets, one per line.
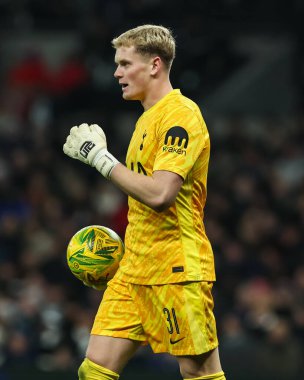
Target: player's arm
[158, 191]
[87, 143]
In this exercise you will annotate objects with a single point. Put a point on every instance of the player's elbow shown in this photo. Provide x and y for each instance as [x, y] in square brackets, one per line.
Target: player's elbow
[163, 194]
[162, 203]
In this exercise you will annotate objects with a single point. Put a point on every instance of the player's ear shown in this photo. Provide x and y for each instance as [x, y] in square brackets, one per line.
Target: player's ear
[156, 65]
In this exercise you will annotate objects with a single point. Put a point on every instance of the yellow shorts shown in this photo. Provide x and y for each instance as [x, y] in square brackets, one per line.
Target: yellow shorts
[173, 318]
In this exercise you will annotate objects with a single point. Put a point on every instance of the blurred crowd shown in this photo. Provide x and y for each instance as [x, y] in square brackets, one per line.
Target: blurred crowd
[255, 218]
[255, 208]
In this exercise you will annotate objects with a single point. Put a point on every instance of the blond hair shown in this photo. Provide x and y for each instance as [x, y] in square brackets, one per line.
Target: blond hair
[149, 40]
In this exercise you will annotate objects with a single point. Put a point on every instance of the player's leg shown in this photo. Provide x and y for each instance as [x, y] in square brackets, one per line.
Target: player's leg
[106, 357]
[179, 319]
[112, 353]
[116, 334]
[204, 366]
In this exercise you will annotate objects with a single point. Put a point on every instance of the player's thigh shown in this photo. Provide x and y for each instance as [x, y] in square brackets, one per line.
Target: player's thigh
[117, 330]
[192, 366]
[178, 318]
[111, 352]
[118, 315]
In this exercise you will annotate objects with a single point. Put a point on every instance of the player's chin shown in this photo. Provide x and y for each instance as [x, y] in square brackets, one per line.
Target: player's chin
[125, 96]
[128, 96]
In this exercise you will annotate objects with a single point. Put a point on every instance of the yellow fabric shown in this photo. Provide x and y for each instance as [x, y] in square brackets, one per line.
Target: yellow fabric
[92, 371]
[174, 318]
[215, 376]
[170, 246]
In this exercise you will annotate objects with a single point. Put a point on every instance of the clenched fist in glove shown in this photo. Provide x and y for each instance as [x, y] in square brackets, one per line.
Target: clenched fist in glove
[88, 144]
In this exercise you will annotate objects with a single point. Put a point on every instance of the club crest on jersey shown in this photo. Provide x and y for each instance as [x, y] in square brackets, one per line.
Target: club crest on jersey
[86, 148]
[176, 140]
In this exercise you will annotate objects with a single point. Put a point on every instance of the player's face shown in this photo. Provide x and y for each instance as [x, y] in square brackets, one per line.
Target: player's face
[133, 73]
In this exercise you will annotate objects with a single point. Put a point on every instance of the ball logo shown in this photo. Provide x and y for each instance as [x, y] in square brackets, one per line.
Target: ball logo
[86, 148]
[176, 136]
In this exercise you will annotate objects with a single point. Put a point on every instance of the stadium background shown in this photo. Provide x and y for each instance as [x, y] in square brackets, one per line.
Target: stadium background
[243, 63]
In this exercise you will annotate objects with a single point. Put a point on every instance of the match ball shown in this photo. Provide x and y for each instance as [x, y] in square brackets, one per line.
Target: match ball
[94, 254]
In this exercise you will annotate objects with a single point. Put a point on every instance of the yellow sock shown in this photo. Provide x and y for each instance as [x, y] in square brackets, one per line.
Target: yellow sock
[92, 371]
[214, 376]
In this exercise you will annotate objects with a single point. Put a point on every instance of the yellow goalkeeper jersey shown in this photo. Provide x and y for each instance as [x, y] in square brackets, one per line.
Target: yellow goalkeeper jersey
[169, 246]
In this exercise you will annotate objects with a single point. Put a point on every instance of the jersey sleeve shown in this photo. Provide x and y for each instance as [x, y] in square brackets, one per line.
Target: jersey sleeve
[181, 138]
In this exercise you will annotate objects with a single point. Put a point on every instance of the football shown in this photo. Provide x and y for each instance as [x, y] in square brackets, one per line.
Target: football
[93, 255]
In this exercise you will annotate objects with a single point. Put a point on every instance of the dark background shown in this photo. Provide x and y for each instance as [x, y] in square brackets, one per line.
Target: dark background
[242, 62]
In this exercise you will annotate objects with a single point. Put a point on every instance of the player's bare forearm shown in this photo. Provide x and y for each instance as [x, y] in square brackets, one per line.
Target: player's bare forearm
[88, 144]
[157, 191]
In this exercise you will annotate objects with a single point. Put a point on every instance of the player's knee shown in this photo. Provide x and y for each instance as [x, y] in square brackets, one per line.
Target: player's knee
[194, 366]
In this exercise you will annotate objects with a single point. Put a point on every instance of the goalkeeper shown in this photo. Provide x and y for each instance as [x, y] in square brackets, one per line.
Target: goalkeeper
[162, 293]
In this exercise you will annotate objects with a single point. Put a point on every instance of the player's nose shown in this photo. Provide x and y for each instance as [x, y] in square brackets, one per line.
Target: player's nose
[117, 73]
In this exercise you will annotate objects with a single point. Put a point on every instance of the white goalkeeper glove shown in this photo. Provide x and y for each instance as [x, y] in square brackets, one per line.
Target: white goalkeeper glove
[88, 144]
